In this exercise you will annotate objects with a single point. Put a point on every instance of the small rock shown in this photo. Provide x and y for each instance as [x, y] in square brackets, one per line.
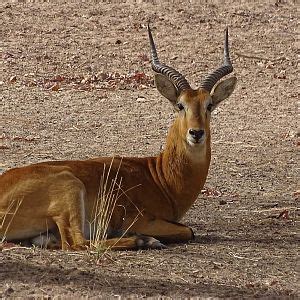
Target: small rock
[8, 290]
[140, 99]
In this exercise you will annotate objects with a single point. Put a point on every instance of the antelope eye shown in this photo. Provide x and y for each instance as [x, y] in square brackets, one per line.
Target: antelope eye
[209, 107]
[180, 106]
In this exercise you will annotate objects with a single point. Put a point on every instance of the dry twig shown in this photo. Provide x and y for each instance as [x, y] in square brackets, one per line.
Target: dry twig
[258, 57]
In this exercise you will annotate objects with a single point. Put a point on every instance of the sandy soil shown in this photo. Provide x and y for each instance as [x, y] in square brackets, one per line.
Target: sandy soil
[75, 82]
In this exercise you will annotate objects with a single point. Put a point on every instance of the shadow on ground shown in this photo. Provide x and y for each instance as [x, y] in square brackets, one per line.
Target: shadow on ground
[100, 283]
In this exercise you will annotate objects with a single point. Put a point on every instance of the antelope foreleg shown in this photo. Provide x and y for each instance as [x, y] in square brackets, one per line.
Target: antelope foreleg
[134, 242]
[164, 231]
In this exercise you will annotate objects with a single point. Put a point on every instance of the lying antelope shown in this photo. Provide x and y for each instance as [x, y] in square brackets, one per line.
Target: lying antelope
[60, 195]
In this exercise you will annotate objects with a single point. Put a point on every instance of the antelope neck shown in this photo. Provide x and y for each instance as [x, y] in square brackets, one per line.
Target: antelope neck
[181, 176]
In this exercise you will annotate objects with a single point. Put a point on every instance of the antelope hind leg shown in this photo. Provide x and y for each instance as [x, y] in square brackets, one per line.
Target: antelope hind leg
[68, 211]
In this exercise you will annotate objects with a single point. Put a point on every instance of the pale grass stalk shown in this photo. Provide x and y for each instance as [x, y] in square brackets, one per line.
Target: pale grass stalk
[108, 195]
[124, 233]
[125, 193]
[4, 215]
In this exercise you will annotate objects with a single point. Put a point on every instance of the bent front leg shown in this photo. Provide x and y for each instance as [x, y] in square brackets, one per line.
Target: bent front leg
[134, 242]
[165, 231]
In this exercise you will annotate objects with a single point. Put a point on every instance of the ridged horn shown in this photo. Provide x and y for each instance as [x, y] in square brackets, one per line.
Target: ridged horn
[178, 79]
[211, 79]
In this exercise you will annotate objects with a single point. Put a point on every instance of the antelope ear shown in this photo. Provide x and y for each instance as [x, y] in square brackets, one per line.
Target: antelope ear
[166, 88]
[223, 90]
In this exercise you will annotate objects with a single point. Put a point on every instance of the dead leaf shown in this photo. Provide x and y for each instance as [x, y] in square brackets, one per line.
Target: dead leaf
[296, 194]
[54, 87]
[13, 79]
[58, 78]
[284, 215]
[211, 193]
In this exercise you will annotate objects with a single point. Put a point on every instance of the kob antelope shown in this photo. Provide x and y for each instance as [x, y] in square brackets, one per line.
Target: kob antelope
[59, 196]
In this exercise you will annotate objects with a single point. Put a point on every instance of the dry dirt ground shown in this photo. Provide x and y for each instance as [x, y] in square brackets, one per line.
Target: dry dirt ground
[75, 82]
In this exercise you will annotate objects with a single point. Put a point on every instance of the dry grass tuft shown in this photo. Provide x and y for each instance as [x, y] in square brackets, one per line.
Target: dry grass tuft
[10, 212]
[109, 192]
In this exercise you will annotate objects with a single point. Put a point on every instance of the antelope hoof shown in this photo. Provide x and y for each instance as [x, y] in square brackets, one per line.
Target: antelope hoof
[148, 242]
[192, 234]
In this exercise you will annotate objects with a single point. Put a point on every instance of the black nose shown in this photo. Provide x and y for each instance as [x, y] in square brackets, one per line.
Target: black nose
[196, 134]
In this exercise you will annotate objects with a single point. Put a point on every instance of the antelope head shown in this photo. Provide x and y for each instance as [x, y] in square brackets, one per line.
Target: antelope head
[194, 106]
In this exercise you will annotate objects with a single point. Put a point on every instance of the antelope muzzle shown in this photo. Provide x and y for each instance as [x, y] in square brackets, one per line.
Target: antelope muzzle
[195, 136]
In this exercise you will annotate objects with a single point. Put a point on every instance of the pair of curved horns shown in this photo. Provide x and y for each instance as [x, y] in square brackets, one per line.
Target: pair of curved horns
[179, 80]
